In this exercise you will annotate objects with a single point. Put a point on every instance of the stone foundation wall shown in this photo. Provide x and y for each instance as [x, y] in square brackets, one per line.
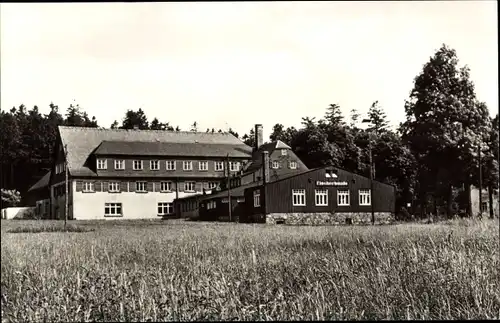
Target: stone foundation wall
[328, 218]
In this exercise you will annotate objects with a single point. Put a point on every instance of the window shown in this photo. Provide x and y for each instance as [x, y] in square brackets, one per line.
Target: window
[211, 205]
[203, 165]
[321, 197]
[276, 165]
[256, 198]
[114, 187]
[88, 187]
[219, 166]
[113, 209]
[165, 186]
[299, 197]
[165, 208]
[170, 164]
[120, 164]
[140, 186]
[102, 164]
[60, 168]
[190, 187]
[187, 165]
[284, 152]
[293, 165]
[364, 197]
[138, 165]
[343, 197]
[212, 185]
[234, 166]
[154, 165]
[484, 206]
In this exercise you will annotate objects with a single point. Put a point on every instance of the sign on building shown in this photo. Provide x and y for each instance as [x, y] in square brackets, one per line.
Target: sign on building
[331, 183]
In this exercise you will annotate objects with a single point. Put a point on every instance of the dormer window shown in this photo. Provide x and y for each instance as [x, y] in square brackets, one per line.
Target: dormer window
[154, 165]
[170, 164]
[203, 165]
[187, 165]
[120, 164]
[293, 165]
[137, 165]
[276, 165]
[102, 164]
[219, 166]
[234, 166]
[284, 152]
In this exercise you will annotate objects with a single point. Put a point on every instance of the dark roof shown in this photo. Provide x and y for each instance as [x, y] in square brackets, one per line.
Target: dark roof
[173, 149]
[318, 168]
[42, 183]
[82, 141]
[235, 192]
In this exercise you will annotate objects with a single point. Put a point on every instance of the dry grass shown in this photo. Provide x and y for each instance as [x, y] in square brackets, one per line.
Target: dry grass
[170, 270]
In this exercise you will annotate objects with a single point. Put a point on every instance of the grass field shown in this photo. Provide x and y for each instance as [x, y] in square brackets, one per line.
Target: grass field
[174, 270]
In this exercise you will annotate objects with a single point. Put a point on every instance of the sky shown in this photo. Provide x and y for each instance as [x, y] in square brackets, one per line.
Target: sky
[235, 64]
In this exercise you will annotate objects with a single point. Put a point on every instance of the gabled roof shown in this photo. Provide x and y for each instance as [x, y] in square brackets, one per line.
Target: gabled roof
[42, 183]
[172, 149]
[82, 141]
[333, 168]
[256, 162]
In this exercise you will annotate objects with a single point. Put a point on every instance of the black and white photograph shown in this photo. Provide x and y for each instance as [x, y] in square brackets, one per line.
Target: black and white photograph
[249, 161]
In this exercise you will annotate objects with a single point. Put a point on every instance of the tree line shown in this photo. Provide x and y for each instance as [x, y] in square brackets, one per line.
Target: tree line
[432, 158]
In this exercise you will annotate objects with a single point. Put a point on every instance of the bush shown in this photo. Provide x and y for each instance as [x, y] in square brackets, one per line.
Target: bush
[403, 215]
[10, 197]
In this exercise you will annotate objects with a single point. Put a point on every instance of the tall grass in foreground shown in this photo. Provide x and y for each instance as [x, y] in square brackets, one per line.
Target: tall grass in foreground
[199, 271]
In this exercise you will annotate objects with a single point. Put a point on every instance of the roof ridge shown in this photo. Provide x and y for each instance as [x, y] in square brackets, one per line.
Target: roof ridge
[147, 130]
[179, 143]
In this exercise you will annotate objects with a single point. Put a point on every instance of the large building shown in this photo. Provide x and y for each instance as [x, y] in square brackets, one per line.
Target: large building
[137, 174]
[116, 173]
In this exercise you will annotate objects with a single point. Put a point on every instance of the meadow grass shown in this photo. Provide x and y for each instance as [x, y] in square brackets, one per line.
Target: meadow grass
[174, 270]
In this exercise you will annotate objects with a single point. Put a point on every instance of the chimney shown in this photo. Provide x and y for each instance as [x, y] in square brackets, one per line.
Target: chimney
[259, 136]
[136, 127]
[265, 167]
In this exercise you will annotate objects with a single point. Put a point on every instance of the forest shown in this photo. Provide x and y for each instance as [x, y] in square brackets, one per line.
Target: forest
[447, 142]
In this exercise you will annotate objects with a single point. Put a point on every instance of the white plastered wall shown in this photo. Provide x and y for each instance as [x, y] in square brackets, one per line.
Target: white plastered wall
[90, 206]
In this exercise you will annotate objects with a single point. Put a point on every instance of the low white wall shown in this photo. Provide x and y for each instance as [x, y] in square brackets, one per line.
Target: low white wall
[17, 212]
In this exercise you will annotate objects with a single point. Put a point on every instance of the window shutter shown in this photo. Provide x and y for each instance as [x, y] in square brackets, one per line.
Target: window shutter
[205, 185]
[198, 187]
[105, 186]
[98, 186]
[79, 186]
[173, 185]
[149, 186]
[181, 187]
[123, 186]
